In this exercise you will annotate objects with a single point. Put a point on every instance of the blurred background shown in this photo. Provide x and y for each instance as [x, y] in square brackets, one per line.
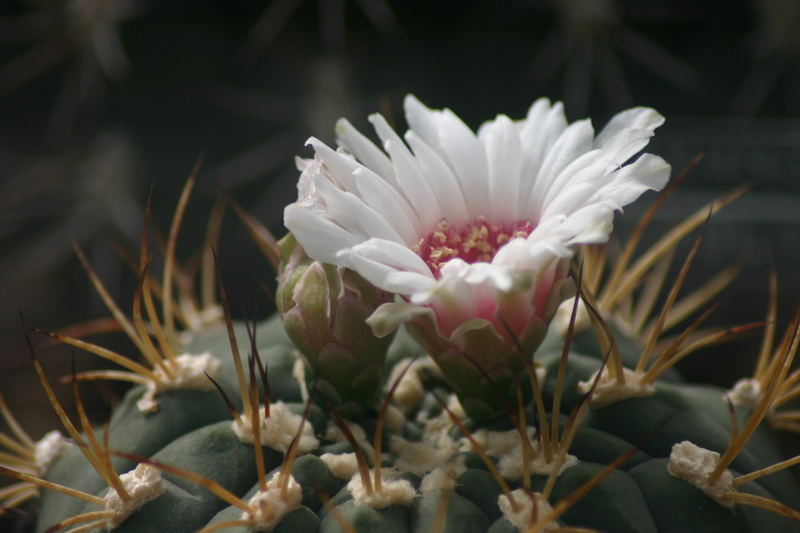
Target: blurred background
[100, 99]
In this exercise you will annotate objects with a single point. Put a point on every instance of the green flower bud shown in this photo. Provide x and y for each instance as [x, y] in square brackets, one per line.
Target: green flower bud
[324, 310]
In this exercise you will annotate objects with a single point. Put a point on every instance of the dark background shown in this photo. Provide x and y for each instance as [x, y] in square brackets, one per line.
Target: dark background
[87, 126]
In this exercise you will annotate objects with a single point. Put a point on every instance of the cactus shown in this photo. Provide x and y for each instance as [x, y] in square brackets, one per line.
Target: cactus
[240, 426]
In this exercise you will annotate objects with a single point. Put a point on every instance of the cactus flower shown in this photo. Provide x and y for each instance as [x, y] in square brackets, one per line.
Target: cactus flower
[324, 310]
[473, 231]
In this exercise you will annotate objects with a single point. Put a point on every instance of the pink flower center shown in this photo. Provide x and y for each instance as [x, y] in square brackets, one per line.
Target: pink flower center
[475, 242]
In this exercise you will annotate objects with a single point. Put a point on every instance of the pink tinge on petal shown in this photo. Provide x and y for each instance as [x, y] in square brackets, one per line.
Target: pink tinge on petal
[475, 242]
[543, 287]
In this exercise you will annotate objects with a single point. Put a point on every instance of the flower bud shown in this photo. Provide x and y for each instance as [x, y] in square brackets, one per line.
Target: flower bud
[324, 310]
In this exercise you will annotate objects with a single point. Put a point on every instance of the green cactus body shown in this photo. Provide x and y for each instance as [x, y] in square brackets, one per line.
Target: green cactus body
[192, 431]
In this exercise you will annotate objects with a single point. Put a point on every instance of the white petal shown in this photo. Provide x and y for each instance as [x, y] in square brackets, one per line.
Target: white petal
[392, 254]
[452, 294]
[441, 180]
[383, 129]
[628, 132]
[424, 121]
[466, 156]
[361, 147]
[409, 282]
[414, 184]
[321, 238]
[341, 166]
[648, 172]
[591, 224]
[353, 214]
[540, 130]
[532, 254]
[575, 141]
[385, 199]
[504, 154]
[576, 184]
[572, 198]
[389, 266]
[486, 273]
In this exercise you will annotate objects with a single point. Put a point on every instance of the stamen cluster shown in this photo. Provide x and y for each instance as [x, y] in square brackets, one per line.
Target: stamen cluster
[476, 242]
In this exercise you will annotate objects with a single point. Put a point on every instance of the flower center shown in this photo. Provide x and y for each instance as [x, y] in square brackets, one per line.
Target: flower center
[475, 242]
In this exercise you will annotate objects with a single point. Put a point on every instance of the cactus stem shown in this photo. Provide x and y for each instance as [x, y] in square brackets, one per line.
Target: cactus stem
[480, 451]
[564, 504]
[220, 491]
